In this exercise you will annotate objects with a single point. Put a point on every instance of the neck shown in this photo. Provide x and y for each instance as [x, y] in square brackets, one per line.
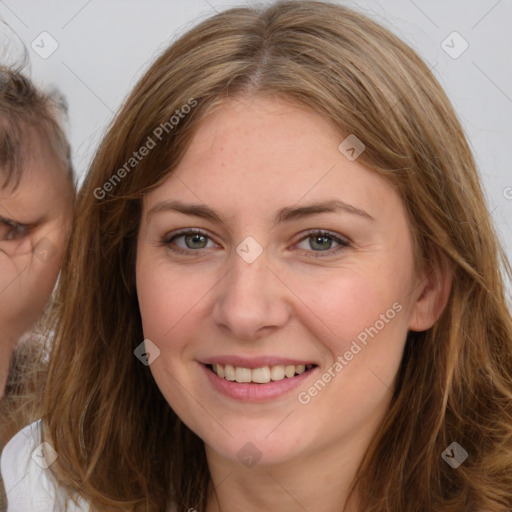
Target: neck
[300, 485]
[320, 477]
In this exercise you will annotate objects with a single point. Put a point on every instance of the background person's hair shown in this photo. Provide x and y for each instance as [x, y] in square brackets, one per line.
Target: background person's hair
[119, 443]
[27, 371]
[27, 112]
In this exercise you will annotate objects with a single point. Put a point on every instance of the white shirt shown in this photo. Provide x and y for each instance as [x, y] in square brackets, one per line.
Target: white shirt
[29, 485]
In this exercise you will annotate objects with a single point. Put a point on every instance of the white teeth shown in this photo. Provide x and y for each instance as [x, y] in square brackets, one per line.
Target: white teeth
[261, 375]
[300, 369]
[277, 372]
[243, 374]
[289, 370]
[229, 372]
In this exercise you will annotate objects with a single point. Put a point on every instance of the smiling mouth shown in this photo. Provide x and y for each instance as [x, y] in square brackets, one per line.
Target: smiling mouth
[262, 375]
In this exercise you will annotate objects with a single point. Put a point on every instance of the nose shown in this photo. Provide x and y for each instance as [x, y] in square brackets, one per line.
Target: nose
[251, 301]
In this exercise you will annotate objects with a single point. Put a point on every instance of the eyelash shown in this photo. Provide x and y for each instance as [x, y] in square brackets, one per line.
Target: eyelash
[16, 230]
[318, 254]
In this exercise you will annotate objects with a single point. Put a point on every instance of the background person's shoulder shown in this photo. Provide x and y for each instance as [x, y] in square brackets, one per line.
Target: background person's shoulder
[28, 481]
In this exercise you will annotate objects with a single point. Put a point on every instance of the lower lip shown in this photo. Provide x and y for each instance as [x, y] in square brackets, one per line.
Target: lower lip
[251, 392]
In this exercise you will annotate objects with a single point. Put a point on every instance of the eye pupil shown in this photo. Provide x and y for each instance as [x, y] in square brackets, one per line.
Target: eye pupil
[196, 238]
[317, 240]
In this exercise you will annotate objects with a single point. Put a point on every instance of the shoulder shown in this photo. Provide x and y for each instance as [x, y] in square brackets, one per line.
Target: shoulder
[28, 481]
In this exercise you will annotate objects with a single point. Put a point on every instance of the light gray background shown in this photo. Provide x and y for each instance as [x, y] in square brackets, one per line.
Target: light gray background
[105, 45]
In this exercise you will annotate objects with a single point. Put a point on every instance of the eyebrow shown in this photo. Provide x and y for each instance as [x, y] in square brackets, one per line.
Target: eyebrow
[14, 223]
[286, 214]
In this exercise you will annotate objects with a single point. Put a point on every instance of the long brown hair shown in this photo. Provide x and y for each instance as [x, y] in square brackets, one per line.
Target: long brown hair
[102, 405]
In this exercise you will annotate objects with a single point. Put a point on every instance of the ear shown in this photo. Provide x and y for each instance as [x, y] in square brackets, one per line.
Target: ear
[432, 294]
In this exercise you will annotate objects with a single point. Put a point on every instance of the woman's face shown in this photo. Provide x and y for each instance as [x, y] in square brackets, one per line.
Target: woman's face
[303, 266]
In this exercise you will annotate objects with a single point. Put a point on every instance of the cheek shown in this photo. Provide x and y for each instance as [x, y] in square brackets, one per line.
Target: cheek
[344, 307]
[167, 300]
[47, 269]
[358, 316]
[156, 304]
[360, 326]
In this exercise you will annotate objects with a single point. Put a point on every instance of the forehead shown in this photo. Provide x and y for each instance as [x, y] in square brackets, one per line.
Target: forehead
[44, 183]
[259, 154]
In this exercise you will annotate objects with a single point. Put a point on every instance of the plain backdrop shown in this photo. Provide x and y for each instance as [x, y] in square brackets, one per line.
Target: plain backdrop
[99, 48]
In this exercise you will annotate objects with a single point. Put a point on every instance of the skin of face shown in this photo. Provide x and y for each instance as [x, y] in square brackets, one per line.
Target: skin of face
[34, 223]
[248, 160]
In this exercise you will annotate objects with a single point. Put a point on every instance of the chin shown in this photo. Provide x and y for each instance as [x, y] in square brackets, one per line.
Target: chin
[257, 449]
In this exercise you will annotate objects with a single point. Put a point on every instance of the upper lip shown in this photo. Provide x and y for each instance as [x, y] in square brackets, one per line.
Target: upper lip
[255, 362]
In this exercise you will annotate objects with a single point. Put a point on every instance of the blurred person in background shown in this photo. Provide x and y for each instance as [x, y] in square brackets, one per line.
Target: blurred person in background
[37, 194]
